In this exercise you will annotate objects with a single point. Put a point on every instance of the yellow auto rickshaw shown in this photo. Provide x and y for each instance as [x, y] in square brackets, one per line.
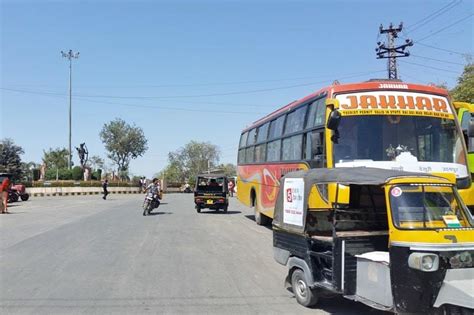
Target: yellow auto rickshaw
[396, 241]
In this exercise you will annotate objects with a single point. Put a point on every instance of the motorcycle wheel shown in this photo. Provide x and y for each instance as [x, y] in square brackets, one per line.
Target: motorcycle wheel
[146, 204]
[25, 197]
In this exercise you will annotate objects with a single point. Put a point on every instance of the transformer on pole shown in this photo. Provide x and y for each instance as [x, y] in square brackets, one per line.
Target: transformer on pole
[392, 52]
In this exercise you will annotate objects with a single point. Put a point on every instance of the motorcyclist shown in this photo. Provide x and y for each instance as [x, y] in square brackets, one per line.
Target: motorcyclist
[153, 190]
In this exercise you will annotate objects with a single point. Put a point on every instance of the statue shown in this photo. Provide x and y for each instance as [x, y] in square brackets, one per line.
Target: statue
[87, 173]
[43, 172]
[83, 154]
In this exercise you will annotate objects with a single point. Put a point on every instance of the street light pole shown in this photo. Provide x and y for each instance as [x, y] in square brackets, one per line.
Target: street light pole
[70, 55]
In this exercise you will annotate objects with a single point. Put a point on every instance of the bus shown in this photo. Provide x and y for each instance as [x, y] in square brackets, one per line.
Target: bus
[382, 124]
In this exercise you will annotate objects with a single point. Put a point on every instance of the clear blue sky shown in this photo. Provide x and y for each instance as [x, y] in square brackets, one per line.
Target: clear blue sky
[163, 64]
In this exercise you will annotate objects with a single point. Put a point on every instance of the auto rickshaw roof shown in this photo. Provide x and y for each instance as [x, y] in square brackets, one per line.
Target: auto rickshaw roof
[292, 201]
[354, 175]
[211, 175]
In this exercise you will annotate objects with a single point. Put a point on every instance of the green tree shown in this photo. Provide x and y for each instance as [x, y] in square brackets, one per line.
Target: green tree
[123, 142]
[96, 162]
[29, 169]
[56, 158]
[192, 159]
[77, 173]
[464, 90]
[228, 169]
[10, 160]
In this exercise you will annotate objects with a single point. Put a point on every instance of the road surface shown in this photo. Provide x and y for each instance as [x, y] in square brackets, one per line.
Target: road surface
[84, 255]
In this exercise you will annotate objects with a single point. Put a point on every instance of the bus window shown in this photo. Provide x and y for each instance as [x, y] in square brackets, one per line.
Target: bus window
[295, 120]
[260, 151]
[243, 139]
[316, 113]
[292, 148]
[314, 147]
[311, 114]
[466, 117]
[241, 158]
[249, 154]
[252, 136]
[262, 132]
[276, 127]
[273, 151]
[321, 112]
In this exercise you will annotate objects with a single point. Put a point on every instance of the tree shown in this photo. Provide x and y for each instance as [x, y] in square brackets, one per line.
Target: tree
[464, 90]
[96, 162]
[29, 169]
[56, 158]
[228, 169]
[194, 158]
[123, 142]
[10, 160]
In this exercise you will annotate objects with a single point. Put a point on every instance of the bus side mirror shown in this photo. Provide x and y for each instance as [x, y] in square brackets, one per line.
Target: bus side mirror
[334, 119]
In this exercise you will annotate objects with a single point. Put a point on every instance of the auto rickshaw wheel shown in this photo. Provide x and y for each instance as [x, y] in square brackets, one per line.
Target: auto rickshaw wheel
[303, 293]
[198, 209]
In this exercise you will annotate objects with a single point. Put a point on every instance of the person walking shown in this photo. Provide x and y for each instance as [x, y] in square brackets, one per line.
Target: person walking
[4, 194]
[104, 187]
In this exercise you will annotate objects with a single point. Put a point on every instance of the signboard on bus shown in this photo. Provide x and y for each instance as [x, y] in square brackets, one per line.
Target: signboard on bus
[394, 103]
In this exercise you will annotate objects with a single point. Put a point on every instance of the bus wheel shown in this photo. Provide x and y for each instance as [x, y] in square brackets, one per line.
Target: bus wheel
[303, 293]
[260, 219]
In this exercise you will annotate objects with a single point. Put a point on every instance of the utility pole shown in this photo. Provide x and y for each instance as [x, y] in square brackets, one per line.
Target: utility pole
[391, 52]
[70, 55]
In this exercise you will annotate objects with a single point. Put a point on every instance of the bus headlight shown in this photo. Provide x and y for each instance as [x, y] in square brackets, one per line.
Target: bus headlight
[423, 261]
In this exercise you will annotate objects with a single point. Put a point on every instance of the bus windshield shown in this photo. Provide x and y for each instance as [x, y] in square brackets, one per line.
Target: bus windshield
[410, 143]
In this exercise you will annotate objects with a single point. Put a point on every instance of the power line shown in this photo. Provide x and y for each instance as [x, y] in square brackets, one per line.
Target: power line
[443, 49]
[439, 60]
[200, 95]
[432, 16]
[136, 105]
[425, 66]
[444, 28]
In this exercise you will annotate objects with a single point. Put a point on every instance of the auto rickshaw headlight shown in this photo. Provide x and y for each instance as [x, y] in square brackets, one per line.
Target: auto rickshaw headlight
[423, 261]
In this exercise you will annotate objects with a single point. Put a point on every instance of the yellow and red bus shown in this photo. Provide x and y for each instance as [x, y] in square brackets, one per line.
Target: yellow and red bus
[382, 124]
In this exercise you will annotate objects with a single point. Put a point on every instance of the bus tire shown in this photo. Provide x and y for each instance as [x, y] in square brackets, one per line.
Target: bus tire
[303, 293]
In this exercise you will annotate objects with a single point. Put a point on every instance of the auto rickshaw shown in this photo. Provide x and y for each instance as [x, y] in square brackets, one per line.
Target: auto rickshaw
[396, 241]
[211, 192]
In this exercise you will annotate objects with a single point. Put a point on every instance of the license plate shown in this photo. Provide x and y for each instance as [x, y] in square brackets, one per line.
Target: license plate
[210, 201]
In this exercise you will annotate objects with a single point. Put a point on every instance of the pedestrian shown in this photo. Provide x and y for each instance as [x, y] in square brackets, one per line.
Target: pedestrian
[230, 186]
[4, 194]
[104, 187]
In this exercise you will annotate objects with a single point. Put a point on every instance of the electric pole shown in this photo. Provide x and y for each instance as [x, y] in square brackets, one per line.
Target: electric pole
[70, 55]
[392, 52]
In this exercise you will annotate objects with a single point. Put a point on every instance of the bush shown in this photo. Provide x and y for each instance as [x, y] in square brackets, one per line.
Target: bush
[97, 174]
[77, 173]
[71, 183]
[63, 174]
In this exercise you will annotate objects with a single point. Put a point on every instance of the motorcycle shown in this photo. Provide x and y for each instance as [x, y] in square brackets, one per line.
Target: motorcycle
[151, 202]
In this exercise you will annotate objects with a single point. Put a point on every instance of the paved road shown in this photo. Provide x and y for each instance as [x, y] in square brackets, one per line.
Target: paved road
[86, 255]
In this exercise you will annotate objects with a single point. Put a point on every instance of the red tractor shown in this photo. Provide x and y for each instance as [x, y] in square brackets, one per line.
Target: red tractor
[20, 191]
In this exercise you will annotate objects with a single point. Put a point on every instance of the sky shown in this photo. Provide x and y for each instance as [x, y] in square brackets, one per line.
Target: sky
[201, 70]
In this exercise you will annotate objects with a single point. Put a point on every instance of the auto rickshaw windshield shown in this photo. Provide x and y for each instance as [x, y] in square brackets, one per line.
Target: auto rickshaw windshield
[417, 206]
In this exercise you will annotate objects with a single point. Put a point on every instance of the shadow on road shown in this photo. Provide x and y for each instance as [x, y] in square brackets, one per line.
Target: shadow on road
[219, 212]
[252, 217]
[159, 213]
